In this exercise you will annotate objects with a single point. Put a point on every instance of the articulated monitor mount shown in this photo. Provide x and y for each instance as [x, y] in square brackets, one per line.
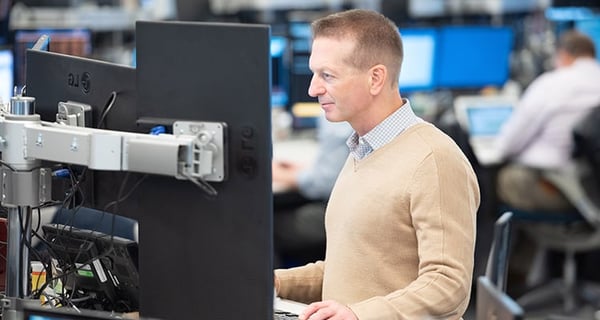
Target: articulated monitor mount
[195, 152]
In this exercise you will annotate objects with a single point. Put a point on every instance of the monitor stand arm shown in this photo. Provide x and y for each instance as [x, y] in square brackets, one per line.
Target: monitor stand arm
[195, 152]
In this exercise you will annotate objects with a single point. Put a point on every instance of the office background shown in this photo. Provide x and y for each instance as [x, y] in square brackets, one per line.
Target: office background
[452, 48]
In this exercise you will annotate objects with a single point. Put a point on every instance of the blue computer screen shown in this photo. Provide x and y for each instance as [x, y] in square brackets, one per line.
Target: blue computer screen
[591, 28]
[488, 120]
[473, 56]
[6, 74]
[418, 67]
[278, 45]
[300, 29]
[279, 71]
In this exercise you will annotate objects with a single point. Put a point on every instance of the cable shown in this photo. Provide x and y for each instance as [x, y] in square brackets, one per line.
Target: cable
[199, 181]
[109, 104]
[4, 163]
[125, 197]
[202, 184]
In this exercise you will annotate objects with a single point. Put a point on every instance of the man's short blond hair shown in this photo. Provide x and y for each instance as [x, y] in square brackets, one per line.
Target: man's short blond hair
[377, 40]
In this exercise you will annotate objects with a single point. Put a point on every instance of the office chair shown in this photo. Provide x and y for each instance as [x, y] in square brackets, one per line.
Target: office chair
[497, 263]
[579, 182]
[492, 302]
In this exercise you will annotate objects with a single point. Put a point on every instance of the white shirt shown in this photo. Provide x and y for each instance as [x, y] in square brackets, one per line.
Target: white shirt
[539, 133]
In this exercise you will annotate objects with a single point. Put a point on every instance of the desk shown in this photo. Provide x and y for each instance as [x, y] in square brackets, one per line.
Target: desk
[295, 149]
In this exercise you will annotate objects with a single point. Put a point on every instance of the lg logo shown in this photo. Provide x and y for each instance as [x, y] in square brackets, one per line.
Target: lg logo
[80, 80]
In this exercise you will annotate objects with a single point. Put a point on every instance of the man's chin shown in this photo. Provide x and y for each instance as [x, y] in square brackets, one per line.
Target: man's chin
[332, 117]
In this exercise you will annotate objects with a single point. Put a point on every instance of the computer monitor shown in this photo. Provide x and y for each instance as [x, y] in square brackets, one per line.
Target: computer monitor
[54, 77]
[6, 75]
[75, 42]
[418, 68]
[98, 271]
[198, 255]
[300, 30]
[216, 72]
[279, 71]
[492, 303]
[473, 57]
[488, 120]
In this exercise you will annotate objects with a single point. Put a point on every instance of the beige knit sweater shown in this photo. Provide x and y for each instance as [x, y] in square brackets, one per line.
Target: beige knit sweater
[400, 233]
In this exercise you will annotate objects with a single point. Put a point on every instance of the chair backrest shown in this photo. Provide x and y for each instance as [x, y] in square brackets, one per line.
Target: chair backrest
[586, 137]
[580, 179]
[497, 264]
[495, 304]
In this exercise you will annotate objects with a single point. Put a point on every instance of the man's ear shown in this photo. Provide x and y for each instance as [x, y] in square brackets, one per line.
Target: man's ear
[378, 77]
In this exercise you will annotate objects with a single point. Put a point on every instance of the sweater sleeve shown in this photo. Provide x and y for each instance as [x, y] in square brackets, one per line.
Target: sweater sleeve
[444, 197]
[303, 284]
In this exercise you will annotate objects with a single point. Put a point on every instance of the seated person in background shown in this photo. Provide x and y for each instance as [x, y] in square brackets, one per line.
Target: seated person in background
[400, 221]
[538, 135]
[299, 233]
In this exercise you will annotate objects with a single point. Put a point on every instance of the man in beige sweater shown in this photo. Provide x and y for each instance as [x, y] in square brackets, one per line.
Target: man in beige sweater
[400, 222]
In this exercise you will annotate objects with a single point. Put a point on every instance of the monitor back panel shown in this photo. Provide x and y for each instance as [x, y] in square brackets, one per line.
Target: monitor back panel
[201, 257]
[54, 77]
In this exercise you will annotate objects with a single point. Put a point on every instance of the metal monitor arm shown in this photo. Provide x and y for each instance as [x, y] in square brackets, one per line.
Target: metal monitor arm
[195, 151]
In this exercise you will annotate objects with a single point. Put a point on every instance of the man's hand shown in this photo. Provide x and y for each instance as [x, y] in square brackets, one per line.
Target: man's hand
[285, 173]
[329, 309]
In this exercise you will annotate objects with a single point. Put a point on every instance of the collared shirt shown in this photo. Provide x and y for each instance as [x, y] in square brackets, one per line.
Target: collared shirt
[384, 132]
[539, 133]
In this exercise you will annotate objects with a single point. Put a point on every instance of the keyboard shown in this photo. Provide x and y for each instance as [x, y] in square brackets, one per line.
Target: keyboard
[284, 309]
[284, 315]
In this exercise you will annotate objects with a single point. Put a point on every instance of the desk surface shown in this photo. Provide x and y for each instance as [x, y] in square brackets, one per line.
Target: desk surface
[303, 150]
[295, 149]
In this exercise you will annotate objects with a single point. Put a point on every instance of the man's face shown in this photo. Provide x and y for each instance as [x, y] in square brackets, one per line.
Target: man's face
[342, 90]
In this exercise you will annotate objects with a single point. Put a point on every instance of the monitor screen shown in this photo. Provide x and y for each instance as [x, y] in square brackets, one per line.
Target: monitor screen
[488, 120]
[6, 75]
[473, 56]
[418, 67]
[279, 71]
[591, 28]
[300, 30]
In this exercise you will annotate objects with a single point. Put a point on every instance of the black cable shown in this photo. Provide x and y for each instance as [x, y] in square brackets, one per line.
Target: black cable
[121, 189]
[209, 191]
[109, 104]
[4, 163]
